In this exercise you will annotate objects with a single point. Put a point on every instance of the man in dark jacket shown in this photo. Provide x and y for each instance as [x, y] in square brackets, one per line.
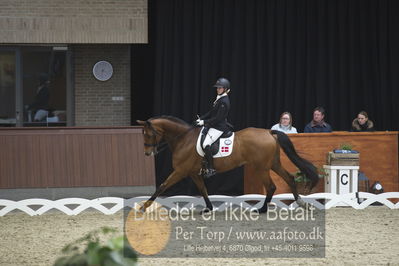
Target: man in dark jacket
[40, 105]
[318, 125]
[215, 121]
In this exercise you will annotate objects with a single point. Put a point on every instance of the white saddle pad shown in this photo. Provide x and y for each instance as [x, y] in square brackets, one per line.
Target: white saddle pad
[225, 146]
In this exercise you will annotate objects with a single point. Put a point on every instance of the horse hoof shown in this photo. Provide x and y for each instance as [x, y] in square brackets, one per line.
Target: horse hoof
[206, 210]
[303, 204]
[262, 210]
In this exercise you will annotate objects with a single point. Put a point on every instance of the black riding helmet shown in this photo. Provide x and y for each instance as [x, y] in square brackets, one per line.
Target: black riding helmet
[222, 83]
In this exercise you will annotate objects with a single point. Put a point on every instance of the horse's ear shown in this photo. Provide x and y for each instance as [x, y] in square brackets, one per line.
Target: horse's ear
[140, 122]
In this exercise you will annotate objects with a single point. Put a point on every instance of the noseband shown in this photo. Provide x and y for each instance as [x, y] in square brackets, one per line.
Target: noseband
[155, 133]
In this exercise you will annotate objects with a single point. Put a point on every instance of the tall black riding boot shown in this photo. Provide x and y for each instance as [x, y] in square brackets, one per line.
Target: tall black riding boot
[210, 171]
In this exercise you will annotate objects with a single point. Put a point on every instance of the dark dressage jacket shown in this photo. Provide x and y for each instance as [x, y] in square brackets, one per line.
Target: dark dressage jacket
[217, 117]
[41, 99]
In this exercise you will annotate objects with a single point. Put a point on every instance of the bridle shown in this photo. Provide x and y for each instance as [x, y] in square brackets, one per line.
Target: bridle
[162, 145]
[158, 146]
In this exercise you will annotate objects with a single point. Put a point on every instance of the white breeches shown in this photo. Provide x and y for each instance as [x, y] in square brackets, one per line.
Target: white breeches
[211, 137]
[40, 115]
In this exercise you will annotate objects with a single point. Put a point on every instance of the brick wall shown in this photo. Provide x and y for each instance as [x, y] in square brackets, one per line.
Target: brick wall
[73, 21]
[93, 99]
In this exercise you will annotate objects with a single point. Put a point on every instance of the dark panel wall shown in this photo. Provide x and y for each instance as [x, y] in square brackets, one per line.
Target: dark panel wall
[279, 55]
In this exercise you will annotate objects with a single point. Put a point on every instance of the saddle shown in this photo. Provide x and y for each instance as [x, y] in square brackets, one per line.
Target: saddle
[222, 147]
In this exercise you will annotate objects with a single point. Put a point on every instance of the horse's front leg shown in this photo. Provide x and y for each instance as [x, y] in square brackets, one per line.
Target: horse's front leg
[172, 179]
[199, 182]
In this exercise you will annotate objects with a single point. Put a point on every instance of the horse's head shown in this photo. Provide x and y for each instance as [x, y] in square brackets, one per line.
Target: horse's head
[152, 137]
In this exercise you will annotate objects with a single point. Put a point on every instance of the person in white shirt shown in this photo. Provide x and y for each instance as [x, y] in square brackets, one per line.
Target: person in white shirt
[285, 124]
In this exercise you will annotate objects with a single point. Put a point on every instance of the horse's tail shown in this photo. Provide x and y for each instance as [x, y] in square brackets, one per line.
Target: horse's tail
[303, 165]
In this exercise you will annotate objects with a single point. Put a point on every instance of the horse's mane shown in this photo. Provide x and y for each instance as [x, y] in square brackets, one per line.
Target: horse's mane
[172, 118]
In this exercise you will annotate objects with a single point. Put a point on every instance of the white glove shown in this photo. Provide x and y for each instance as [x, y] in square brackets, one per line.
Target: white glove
[199, 122]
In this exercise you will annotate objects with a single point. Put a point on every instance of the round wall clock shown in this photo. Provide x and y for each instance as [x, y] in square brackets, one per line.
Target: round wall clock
[103, 70]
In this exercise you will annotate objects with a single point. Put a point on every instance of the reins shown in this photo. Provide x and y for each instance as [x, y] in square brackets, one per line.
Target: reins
[161, 146]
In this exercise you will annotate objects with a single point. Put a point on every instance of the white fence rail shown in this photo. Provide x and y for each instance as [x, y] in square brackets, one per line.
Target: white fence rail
[74, 206]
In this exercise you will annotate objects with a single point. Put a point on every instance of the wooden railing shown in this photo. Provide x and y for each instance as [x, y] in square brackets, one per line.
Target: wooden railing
[378, 158]
[80, 157]
[74, 157]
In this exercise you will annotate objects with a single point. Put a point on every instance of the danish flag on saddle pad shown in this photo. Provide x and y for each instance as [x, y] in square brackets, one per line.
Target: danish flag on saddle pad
[221, 148]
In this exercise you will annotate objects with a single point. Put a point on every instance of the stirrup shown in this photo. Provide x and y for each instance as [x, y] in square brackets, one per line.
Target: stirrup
[209, 172]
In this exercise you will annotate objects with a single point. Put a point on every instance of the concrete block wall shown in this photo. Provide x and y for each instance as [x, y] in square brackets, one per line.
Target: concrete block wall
[73, 21]
[94, 105]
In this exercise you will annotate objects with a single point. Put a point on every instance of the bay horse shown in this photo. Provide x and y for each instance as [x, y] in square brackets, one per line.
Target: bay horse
[255, 146]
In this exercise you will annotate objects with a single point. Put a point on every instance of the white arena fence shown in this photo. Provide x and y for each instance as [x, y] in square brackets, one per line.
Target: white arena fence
[357, 201]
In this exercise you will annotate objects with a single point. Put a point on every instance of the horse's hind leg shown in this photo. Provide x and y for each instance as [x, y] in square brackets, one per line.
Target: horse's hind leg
[172, 179]
[289, 179]
[269, 185]
[199, 182]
